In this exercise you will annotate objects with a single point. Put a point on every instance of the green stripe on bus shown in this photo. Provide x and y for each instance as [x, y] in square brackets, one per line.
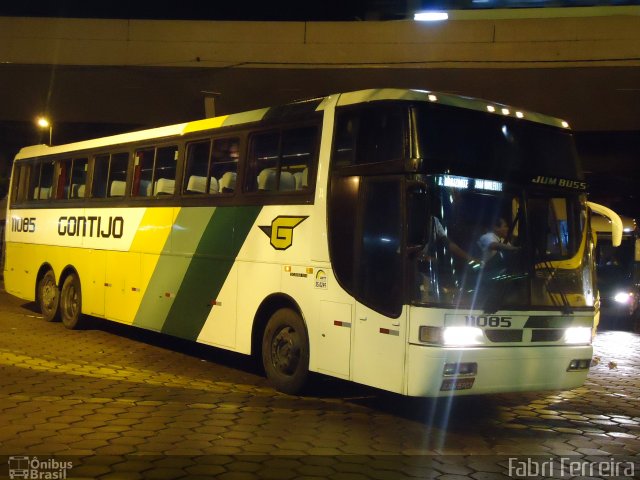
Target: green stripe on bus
[172, 266]
[208, 269]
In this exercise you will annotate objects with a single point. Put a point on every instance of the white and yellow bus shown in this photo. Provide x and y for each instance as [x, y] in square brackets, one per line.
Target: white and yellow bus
[336, 235]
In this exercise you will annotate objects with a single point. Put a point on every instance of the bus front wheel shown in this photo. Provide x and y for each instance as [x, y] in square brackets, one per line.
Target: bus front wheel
[48, 296]
[285, 351]
[71, 302]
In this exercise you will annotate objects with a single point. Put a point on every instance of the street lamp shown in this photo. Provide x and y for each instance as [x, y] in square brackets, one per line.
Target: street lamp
[44, 122]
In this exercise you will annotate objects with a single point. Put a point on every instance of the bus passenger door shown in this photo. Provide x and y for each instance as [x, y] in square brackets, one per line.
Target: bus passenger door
[379, 349]
[379, 345]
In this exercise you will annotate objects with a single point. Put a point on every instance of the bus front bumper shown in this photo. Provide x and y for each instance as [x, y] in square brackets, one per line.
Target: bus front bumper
[438, 371]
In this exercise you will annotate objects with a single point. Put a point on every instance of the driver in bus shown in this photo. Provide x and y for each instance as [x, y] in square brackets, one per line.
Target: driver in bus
[494, 240]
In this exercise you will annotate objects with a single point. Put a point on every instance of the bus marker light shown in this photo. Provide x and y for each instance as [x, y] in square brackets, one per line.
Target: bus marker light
[287, 268]
[387, 331]
[430, 334]
[309, 270]
[340, 323]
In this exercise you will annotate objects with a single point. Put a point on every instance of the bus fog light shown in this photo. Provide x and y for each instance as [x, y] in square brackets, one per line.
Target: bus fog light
[576, 335]
[430, 334]
[451, 369]
[462, 336]
[579, 364]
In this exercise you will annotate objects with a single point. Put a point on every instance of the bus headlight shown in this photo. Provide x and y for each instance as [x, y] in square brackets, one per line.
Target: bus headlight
[623, 297]
[577, 335]
[462, 336]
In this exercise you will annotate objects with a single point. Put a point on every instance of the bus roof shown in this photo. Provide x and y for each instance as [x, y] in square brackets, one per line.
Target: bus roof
[349, 98]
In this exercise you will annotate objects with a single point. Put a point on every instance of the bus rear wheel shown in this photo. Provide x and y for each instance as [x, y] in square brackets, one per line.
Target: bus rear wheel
[48, 296]
[285, 351]
[71, 302]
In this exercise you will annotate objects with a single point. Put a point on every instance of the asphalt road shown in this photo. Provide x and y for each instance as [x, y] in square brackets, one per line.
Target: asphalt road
[118, 402]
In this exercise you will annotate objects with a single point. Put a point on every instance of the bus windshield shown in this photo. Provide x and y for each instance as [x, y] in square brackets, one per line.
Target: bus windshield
[486, 247]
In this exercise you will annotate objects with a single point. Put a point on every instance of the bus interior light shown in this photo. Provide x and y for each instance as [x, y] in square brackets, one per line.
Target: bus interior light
[430, 16]
[577, 335]
[462, 336]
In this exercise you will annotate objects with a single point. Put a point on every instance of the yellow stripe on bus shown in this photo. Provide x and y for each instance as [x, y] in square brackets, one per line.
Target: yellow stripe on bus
[206, 124]
[149, 242]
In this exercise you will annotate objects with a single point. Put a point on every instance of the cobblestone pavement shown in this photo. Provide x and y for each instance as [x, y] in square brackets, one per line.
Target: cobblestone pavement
[121, 403]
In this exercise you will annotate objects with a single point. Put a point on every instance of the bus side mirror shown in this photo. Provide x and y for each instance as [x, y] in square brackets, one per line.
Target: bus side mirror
[614, 218]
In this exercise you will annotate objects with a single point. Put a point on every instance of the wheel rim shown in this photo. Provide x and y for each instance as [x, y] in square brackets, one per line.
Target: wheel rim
[49, 294]
[285, 351]
[70, 302]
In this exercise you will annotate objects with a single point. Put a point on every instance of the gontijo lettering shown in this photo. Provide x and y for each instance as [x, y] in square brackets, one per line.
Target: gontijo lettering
[91, 226]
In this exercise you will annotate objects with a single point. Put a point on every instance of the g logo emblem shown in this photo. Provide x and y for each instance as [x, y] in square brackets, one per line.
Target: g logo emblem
[281, 230]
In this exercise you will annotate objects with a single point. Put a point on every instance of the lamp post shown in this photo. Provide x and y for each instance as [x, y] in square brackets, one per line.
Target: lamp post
[44, 122]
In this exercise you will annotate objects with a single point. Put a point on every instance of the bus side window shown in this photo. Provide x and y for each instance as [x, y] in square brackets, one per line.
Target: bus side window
[117, 179]
[224, 165]
[63, 167]
[281, 161]
[263, 163]
[142, 183]
[344, 147]
[164, 175]
[100, 176]
[372, 134]
[78, 179]
[196, 168]
[42, 181]
[21, 183]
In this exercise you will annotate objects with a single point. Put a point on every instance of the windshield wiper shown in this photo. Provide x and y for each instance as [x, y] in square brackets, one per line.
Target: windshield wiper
[551, 272]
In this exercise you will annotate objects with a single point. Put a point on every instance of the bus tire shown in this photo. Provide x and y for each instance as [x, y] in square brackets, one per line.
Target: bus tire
[71, 302]
[48, 297]
[285, 351]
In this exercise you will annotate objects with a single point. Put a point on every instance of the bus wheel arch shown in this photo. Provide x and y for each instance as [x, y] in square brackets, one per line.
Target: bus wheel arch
[47, 293]
[280, 339]
[71, 299]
